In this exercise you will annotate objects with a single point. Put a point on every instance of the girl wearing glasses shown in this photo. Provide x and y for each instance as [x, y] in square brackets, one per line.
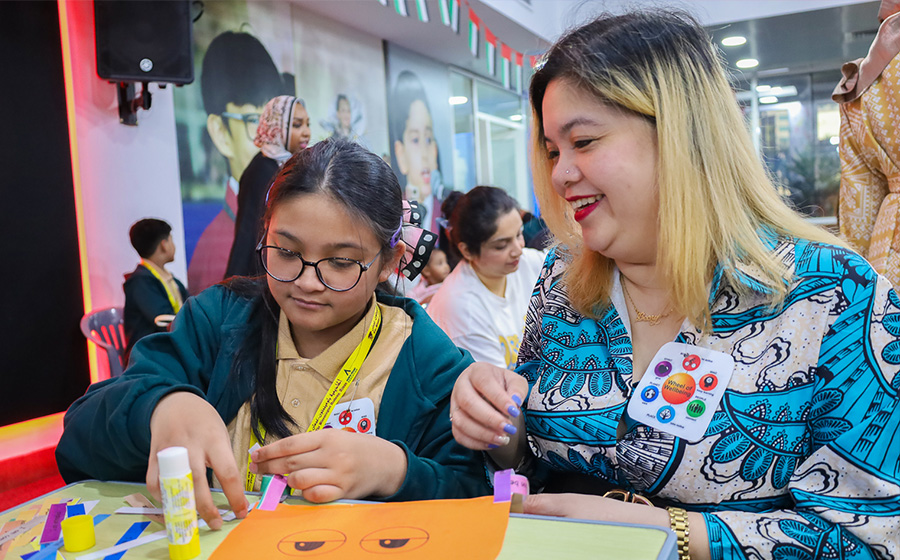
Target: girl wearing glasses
[252, 361]
[282, 130]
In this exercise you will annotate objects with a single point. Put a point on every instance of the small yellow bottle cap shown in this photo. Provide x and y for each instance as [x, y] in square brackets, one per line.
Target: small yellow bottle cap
[78, 533]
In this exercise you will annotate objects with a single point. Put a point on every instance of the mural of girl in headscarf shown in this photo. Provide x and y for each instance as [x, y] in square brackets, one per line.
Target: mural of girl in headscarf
[414, 148]
[347, 119]
[283, 131]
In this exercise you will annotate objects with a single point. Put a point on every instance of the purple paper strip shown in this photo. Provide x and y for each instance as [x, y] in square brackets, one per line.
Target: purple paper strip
[53, 526]
[502, 487]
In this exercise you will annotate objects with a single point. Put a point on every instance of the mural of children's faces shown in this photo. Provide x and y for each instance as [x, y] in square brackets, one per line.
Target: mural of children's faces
[300, 131]
[417, 153]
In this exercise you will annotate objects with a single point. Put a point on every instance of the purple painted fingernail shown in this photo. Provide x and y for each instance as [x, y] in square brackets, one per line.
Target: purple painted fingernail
[513, 411]
[509, 429]
[516, 399]
[492, 446]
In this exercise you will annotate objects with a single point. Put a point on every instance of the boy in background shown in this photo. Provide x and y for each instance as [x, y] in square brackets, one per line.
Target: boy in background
[150, 291]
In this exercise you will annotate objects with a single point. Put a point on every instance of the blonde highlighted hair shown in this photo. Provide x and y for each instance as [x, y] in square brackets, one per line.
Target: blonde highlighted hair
[714, 192]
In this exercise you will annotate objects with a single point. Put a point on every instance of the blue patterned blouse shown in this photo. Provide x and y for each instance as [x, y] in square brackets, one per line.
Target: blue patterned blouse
[802, 457]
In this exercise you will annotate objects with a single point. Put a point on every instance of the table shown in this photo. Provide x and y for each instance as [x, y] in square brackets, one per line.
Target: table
[527, 536]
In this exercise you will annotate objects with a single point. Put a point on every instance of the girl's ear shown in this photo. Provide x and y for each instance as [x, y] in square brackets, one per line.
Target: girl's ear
[391, 261]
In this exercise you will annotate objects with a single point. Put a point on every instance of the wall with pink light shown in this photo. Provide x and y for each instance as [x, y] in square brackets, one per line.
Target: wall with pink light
[126, 172]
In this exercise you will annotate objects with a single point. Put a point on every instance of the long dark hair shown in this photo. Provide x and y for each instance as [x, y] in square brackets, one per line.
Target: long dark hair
[473, 219]
[367, 188]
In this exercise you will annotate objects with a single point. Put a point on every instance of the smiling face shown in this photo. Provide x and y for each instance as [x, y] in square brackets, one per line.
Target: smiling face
[499, 255]
[299, 130]
[604, 163]
[320, 316]
[417, 152]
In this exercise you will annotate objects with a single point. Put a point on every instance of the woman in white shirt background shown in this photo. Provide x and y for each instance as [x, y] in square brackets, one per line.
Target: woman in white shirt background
[481, 305]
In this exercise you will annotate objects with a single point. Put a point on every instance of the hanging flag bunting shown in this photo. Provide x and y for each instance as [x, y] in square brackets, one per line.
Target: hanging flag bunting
[533, 60]
[422, 10]
[400, 6]
[444, 7]
[520, 86]
[490, 50]
[505, 65]
[474, 24]
[454, 15]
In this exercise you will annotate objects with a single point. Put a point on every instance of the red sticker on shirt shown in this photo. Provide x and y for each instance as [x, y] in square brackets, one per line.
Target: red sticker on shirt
[345, 417]
[364, 425]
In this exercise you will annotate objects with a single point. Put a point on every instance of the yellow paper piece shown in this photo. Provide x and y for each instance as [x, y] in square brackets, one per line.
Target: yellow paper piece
[434, 530]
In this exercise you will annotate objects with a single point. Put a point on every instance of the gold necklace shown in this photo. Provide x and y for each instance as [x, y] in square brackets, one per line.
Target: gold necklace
[642, 317]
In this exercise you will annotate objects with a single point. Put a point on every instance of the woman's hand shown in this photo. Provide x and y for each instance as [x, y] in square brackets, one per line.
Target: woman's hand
[328, 465]
[485, 411]
[583, 506]
[186, 420]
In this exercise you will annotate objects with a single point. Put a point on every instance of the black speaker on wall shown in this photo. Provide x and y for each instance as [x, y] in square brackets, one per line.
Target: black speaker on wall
[144, 41]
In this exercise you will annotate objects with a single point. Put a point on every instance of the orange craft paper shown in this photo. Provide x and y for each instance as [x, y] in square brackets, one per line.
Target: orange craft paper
[434, 529]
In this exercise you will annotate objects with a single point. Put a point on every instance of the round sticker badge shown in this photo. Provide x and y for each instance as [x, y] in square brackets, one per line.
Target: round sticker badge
[364, 425]
[345, 417]
[696, 408]
[663, 368]
[678, 388]
[649, 394]
[665, 414]
[708, 382]
[691, 362]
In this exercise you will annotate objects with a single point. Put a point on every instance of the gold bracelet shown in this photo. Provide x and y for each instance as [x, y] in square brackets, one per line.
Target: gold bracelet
[678, 521]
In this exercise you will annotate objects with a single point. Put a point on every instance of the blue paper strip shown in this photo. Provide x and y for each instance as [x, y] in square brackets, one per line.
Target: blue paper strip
[132, 533]
[77, 509]
[47, 551]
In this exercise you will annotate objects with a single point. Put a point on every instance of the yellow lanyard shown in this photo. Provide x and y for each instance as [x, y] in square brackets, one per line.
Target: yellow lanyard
[344, 379]
[175, 305]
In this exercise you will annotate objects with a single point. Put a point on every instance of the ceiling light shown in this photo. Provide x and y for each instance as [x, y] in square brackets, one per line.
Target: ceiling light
[747, 63]
[734, 41]
[459, 100]
[763, 88]
[515, 117]
[768, 99]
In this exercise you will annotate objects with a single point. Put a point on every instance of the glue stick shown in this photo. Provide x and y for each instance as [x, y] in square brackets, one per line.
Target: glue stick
[179, 507]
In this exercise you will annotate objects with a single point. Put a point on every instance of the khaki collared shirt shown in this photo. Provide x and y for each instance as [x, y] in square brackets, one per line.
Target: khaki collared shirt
[301, 383]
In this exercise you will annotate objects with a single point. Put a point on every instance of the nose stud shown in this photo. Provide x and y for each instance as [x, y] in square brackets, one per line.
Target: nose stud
[567, 171]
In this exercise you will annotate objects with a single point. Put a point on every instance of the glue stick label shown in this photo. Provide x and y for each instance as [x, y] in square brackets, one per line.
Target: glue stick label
[179, 508]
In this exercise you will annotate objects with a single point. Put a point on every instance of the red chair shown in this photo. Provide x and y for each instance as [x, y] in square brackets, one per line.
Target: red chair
[105, 328]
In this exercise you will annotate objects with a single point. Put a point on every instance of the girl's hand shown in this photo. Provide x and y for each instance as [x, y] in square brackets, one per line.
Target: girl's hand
[485, 407]
[331, 464]
[186, 420]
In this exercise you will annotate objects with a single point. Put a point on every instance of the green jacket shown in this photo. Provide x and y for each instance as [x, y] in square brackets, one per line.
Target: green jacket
[107, 431]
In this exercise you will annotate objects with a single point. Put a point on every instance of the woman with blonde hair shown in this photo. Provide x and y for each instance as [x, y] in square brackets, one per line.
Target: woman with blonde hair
[692, 341]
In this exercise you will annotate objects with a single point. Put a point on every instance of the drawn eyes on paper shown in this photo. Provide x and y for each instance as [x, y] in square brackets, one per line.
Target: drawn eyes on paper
[394, 539]
[312, 542]
[315, 542]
